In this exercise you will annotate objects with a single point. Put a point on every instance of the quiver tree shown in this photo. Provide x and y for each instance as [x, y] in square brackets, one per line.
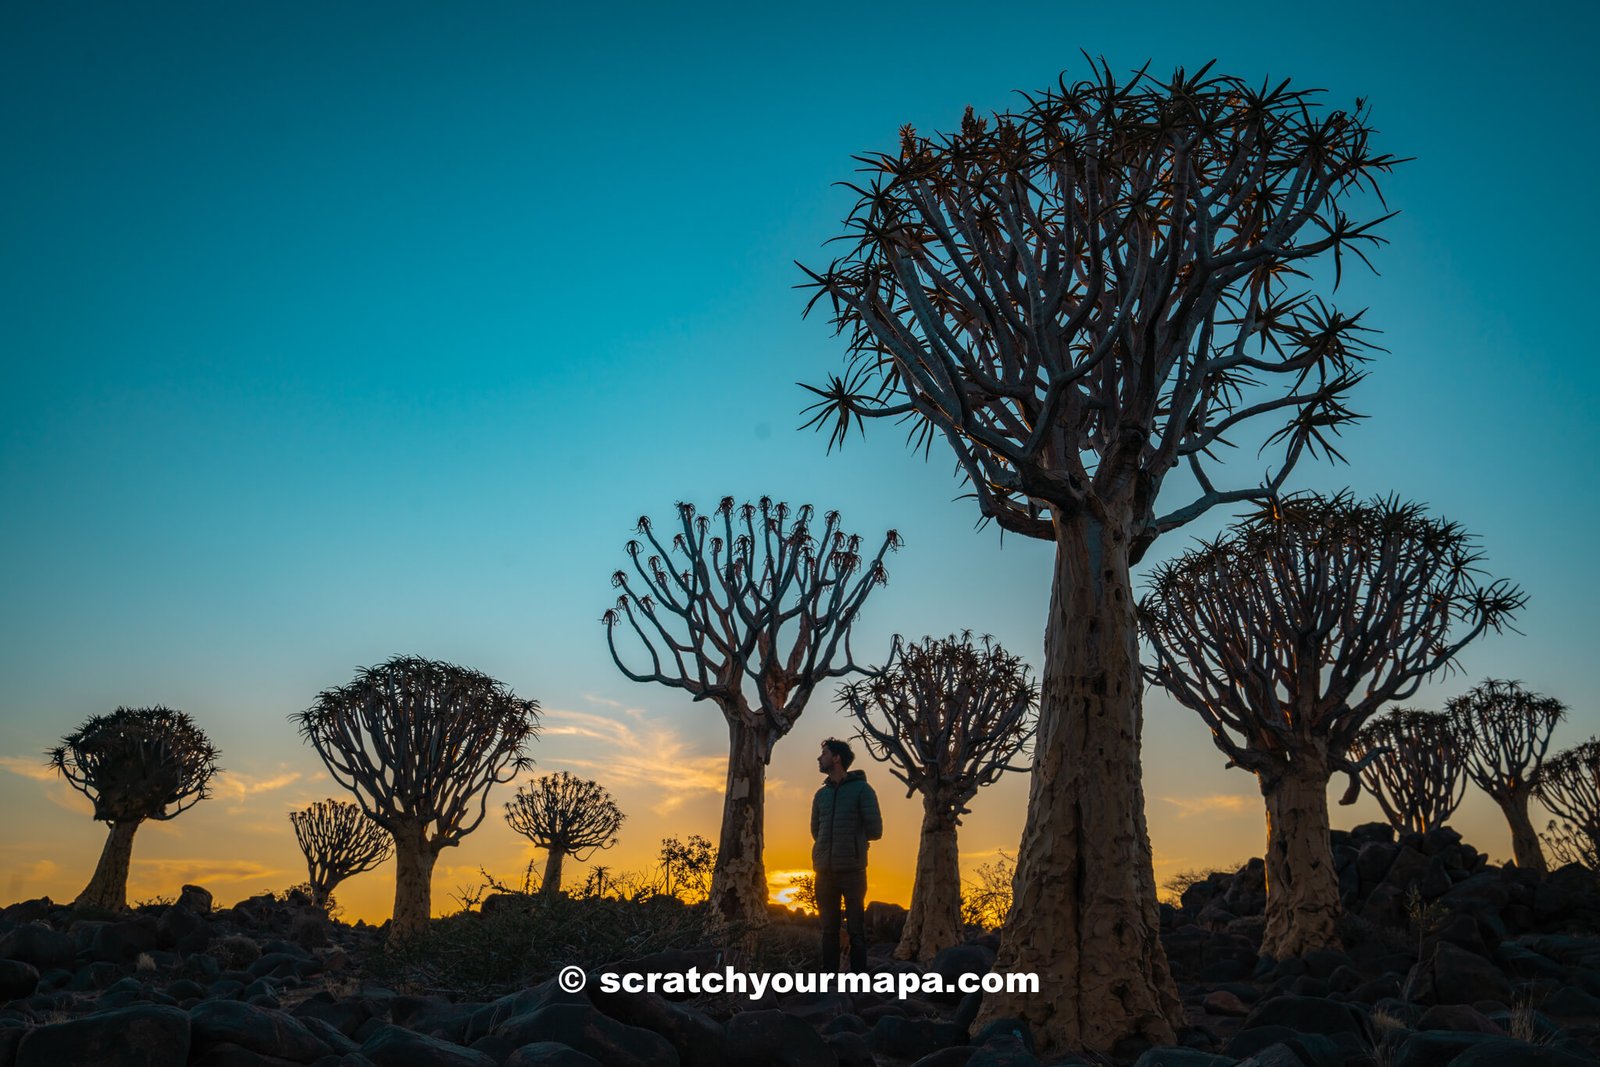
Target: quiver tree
[1411, 763]
[133, 764]
[1569, 785]
[1505, 731]
[419, 743]
[1079, 297]
[566, 816]
[339, 842]
[1290, 631]
[949, 718]
[1566, 844]
[749, 607]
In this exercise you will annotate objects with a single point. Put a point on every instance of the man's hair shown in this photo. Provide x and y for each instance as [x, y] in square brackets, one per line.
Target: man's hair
[840, 749]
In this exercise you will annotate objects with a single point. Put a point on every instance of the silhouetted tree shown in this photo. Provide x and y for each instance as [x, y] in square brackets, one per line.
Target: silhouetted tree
[686, 868]
[1505, 731]
[566, 816]
[1286, 634]
[133, 764]
[1566, 844]
[419, 742]
[749, 593]
[339, 842]
[1078, 298]
[1411, 763]
[948, 717]
[1569, 785]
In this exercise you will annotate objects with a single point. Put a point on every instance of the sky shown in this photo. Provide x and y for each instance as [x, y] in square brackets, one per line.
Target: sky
[332, 332]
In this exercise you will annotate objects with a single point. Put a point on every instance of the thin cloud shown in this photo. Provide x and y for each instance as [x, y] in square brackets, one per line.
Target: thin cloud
[236, 786]
[202, 871]
[1215, 804]
[38, 770]
[637, 754]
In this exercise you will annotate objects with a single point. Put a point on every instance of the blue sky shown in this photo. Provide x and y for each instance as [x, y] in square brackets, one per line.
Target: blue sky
[335, 331]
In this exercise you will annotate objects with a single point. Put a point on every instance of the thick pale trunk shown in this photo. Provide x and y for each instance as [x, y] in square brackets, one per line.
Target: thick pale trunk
[552, 873]
[1302, 885]
[109, 886]
[1084, 915]
[934, 921]
[739, 879]
[414, 858]
[1524, 840]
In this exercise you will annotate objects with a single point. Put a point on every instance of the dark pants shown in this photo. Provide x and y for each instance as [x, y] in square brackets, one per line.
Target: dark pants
[851, 888]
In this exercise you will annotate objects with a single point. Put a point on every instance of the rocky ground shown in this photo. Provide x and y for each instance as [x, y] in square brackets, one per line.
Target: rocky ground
[1447, 960]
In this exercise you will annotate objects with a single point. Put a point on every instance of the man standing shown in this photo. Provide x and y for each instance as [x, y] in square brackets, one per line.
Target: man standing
[844, 817]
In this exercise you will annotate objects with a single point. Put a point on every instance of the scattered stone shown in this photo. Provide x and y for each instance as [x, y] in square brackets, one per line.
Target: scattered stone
[395, 1046]
[17, 979]
[143, 1035]
[217, 1022]
[549, 1054]
[763, 1038]
[586, 1029]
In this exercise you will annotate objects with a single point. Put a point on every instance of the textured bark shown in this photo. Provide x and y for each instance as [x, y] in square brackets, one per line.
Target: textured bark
[414, 858]
[1302, 885]
[552, 872]
[1524, 839]
[109, 886]
[1085, 917]
[934, 921]
[739, 878]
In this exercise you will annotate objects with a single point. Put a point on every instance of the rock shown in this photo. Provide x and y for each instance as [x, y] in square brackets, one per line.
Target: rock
[1005, 1051]
[1519, 961]
[958, 1056]
[1458, 1017]
[183, 930]
[1372, 863]
[1570, 1003]
[195, 899]
[885, 922]
[1222, 1002]
[1504, 1050]
[699, 1039]
[1310, 1015]
[851, 1050]
[17, 979]
[586, 1029]
[39, 946]
[549, 1054]
[1182, 1057]
[773, 1039]
[487, 1018]
[143, 1035]
[1312, 1050]
[395, 1046]
[904, 1039]
[122, 942]
[952, 963]
[216, 1022]
[435, 1016]
[1452, 975]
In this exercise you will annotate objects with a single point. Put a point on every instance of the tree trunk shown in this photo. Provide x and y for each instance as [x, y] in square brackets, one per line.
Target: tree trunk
[934, 921]
[739, 878]
[1524, 840]
[1302, 885]
[1085, 917]
[552, 873]
[414, 858]
[109, 887]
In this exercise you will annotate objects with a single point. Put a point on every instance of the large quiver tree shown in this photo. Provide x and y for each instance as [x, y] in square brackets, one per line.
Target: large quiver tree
[1505, 730]
[419, 742]
[1411, 762]
[566, 816]
[133, 764]
[1078, 298]
[1286, 634]
[1569, 785]
[338, 842]
[749, 607]
[948, 717]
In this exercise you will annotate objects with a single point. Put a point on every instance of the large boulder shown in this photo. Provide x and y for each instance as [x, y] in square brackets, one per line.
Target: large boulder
[774, 1039]
[587, 1029]
[141, 1035]
[1452, 975]
[395, 1046]
[217, 1022]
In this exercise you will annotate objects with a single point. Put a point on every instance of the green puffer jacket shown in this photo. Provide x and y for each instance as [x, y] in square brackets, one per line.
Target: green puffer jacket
[844, 818]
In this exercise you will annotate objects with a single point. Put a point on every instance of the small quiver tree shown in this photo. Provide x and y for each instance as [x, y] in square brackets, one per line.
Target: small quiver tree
[1411, 763]
[1291, 630]
[566, 816]
[339, 842]
[419, 743]
[948, 717]
[133, 764]
[755, 594]
[1569, 785]
[1079, 297]
[1505, 731]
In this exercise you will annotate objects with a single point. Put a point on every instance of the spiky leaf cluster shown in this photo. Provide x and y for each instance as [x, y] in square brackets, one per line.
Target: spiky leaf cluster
[419, 742]
[947, 715]
[138, 763]
[1084, 293]
[1569, 785]
[1311, 614]
[1412, 765]
[564, 813]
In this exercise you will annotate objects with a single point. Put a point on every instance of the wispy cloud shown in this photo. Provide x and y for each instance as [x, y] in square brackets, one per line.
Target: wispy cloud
[632, 751]
[202, 871]
[1215, 804]
[37, 769]
[237, 786]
